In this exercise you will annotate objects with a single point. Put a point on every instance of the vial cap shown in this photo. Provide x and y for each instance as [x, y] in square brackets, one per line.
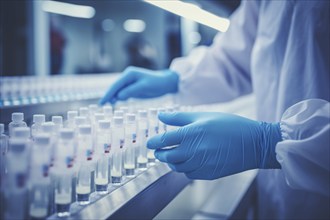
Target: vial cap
[21, 132]
[2, 128]
[66, 133]
[119, 113]
[92, 108]
[143, 114]
[99, 116]
[161, 110]
[118, 120]
[130, 117]
[17, 145]
[107, 110]
[57, 119]
[42, 139]
[104, 124]
[71, 114]
[169, 109]
[47, 127]
[79, 120]
[153, 111]
[39, 118]
[85, 129]
[124, 109]
[17, 116]
[83, 111]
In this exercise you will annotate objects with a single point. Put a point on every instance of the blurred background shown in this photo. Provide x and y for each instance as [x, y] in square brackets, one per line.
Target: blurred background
[104, 37]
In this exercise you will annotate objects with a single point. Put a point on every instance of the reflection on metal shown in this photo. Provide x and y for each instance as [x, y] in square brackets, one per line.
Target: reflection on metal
[142, 197]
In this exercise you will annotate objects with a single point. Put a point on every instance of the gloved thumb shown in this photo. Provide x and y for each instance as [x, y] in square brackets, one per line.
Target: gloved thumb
[177, 118]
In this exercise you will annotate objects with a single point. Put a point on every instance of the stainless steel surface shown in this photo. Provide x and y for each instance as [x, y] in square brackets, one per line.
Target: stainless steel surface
[134, 192]
[107, 205]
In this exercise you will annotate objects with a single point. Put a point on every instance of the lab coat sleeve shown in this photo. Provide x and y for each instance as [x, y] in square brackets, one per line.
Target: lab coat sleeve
[304, 151]
[220, 72]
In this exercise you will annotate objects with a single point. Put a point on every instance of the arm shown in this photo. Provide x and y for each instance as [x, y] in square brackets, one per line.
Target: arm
[220, 72]
[213, 145]
[304, 151]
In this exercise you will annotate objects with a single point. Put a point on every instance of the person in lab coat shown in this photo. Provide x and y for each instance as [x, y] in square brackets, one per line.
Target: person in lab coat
[279, 50]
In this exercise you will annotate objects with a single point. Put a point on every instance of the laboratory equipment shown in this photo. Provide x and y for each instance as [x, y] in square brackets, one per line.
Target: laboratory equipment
[38, 119]
[39, 177]
[64, 172]
[16, 181]
[118, 113]
[142, 135]
[49, 128]
[161, 126]
[107, 111]
[85, 165]
[153, 130]
[17, 121]
[3, 153]
[117, 145]
[69, 123]
[58, 122]
[102, 155]
[130, 145]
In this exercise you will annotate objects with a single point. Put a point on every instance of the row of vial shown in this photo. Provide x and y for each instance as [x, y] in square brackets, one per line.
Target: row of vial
[25, 90]
[49, 167]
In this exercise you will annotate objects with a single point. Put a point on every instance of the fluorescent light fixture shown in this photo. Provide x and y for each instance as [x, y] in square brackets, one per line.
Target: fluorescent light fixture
[134, 25]
[72, 10]
[192, 12]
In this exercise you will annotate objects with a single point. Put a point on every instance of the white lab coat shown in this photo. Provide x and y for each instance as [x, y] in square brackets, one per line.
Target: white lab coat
[280, 51]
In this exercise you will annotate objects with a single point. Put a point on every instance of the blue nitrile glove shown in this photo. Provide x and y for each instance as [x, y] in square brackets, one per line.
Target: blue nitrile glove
[213, 145]
[138, 82]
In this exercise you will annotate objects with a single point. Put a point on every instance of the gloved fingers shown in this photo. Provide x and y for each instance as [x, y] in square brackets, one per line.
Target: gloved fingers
[173, 155]
[132, 90]
[127, 78]
[187, 166]
[177, 118]
[169, 138]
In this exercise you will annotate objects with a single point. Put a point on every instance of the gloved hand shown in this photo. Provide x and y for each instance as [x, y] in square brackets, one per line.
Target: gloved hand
[213, 145]
[142, 83]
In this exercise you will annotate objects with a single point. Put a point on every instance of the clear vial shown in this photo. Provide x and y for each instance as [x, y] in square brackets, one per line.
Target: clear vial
[107, 111]
[124, 109]
[17, 121]
[161, 126]
[66, 143]
[118, 113]
[83, 187]
[84, 112]
[103, 146]
[63, 191]
[153, 130]
[117, 144]
[69, 123]
[38, 119]
[102, 175]
[130, 145]
[40, 181]
[85, 162]
[3, 153]
[142, 136]
[16, 186]
[58, 121]
[79, 120]
[49, 128]
[63, 175]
